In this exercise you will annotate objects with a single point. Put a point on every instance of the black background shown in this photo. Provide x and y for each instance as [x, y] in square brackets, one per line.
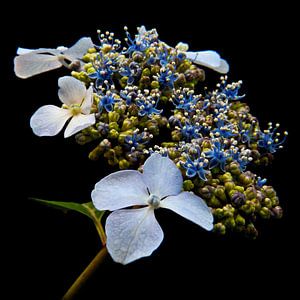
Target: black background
[47, 249]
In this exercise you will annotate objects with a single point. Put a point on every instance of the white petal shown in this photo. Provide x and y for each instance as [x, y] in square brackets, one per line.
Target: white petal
[161, 176]
[132, 234]
[87, 102]
[48, 120]
[191, 207]
[31, 64]
[78, 123]
[22, 51]
[120, 189]
[210, 59]
[72, 91]
[79, 49]
[223, 68]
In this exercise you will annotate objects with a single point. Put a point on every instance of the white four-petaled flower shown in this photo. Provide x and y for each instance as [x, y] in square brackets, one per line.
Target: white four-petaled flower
[33, 62]
[77, 101]
[135, 233]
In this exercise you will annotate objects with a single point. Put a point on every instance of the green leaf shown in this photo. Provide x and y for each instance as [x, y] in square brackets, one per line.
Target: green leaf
[87, 209]
[65, 206]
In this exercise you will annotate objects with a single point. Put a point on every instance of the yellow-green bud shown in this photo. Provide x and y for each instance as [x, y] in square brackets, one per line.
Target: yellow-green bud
[226, 177]
[113, 133]
[239, 220]
[214, 202]
[155, 84]
[87, 66]
[124, 164]
[267, 202]
[229, 185]
[188, 185]
[146, 72]
[239, 188]
[95, 154]
[155, 69]
[113, 125]
[229, 222]
[220, 193]
[265, 213]
[123, 135]
[92, 50]
[220, 228]
[113, 116]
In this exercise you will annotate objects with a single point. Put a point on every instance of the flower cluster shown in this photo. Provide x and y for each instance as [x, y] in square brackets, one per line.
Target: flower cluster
[130, 101]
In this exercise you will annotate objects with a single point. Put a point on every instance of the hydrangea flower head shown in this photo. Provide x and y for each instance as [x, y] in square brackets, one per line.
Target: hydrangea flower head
[135, 233]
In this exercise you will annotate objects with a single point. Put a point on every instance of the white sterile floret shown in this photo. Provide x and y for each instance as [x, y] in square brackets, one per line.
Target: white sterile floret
[135, 233]
[77, 101]
[31, 62]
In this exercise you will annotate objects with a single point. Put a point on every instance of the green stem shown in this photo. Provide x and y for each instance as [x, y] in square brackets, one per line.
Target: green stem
[85, 275]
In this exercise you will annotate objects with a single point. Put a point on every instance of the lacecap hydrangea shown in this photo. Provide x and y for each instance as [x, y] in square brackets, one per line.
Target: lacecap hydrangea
[141, 98]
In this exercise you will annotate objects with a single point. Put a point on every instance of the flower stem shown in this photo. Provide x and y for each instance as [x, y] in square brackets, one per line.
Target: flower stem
[85, 275]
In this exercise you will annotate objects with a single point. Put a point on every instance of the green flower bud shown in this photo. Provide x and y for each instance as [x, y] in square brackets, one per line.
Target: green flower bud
[113, 116]
[229, 222]
[219, 228]
[113, 125]
[176, 135]
[239, 188]
[124, 164]
[113, 133]
[92, 50]
[265, 213]
[220, 193]
[95, 154]
[188, 185]
[123, 134]
[91, 70]
[267, 202]
[229, 185]
[155, 84]
[87, 66]
[228, 210]
[269, 191]
[123, 81]
[239, 220]
[155, 69]
[218, 213]
[225, 177]
[89, 57]
[248, 208]
[275, 201]
[214, 202]
[234, 168]
[184, 66]
[250, 193]
[245, 179]
[146, 72]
